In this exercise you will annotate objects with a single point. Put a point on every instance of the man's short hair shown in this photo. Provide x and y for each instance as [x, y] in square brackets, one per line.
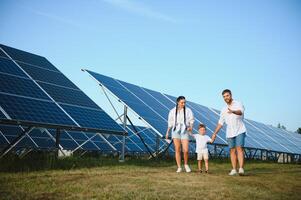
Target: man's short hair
[202, 126]
[227, 91]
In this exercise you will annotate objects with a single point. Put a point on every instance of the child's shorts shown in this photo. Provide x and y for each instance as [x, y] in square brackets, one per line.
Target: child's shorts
[203, 155]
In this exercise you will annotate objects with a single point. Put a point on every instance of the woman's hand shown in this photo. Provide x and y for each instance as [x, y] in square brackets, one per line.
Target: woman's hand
[189, 129]
[166, 135]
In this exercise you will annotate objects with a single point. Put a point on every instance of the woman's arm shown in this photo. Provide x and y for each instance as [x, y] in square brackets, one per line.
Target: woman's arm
[167, 132]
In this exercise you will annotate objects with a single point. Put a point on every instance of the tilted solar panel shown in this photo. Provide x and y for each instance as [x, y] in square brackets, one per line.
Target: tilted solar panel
[32, 89]
[154, 106]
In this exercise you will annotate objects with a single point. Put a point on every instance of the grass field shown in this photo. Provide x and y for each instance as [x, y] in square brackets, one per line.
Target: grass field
[106, 178]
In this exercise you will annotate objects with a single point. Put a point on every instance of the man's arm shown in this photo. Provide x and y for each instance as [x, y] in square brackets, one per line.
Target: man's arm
[236, 112]
[218, 128]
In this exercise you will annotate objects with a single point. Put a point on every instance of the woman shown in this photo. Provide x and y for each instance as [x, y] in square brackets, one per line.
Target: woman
[180, 122]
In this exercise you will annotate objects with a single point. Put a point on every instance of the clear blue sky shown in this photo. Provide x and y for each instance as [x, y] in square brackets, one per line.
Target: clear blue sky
[192, 48]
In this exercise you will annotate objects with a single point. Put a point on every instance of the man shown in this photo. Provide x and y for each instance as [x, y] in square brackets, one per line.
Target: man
[233, 114]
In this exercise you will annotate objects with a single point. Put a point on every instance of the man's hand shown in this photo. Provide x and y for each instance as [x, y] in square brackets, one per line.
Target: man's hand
[166, 136]
[213, 137]
[236, 112]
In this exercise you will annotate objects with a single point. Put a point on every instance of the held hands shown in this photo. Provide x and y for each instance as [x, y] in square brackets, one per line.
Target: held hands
[213, 137]
[189, 129]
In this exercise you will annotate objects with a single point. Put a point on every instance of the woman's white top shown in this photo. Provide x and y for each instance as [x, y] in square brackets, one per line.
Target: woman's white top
[180, 118]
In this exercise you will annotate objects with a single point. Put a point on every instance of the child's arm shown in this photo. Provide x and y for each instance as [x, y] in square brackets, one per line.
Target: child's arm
[191, 134]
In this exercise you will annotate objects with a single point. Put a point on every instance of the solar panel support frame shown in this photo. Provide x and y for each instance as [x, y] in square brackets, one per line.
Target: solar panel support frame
[31, 125]
[10, 146]
[121, 159]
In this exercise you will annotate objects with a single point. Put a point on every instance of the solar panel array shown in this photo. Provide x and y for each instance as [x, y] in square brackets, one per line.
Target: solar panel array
[153, 108]
[32, 89]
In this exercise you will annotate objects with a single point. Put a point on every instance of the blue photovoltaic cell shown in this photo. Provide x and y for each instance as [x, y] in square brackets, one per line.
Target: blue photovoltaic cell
[147, 99]
[33, 110]
[69, 96]
[287, 139]
[91, 118]
[268, 139]
[21, 86]
[2, 54]
[273, 135]
[9, 67]
[295, 136]
[161, 98]
[26, 57]
[2, 116]
[54, 77]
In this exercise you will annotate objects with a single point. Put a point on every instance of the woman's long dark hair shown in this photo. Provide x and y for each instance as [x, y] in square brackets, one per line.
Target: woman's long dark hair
[178, 100]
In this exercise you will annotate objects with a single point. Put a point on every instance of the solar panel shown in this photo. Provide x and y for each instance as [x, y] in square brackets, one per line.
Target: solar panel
[154, 106]
[32, 89]
[9, 67]
[29, 109]
[27, 57]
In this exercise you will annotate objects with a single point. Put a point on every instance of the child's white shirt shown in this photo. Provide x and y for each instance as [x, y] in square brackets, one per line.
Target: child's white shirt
[201, 143]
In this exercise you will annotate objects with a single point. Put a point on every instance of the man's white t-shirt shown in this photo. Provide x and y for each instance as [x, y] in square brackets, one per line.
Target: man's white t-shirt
[180, 118]
[235, 124]
[201, 143]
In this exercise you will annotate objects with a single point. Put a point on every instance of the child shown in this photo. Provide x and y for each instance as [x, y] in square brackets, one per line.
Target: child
[201, 146]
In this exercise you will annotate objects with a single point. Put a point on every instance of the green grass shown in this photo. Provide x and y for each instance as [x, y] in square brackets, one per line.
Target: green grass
[106, 178]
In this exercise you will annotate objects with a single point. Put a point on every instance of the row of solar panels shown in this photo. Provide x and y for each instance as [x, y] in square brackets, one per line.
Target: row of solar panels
[33, 89]
[154, 107]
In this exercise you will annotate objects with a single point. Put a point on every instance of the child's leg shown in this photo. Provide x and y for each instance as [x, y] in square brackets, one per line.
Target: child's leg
[200, 165]
[207, 164]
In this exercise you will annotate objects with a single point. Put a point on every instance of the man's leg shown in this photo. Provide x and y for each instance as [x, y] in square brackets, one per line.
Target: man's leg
[240, 155]
[177, 144]
[240, 143]
[233, 158]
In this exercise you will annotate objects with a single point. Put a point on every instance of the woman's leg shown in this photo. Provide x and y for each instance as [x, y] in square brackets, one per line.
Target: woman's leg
[185, 146]
[177, 144]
